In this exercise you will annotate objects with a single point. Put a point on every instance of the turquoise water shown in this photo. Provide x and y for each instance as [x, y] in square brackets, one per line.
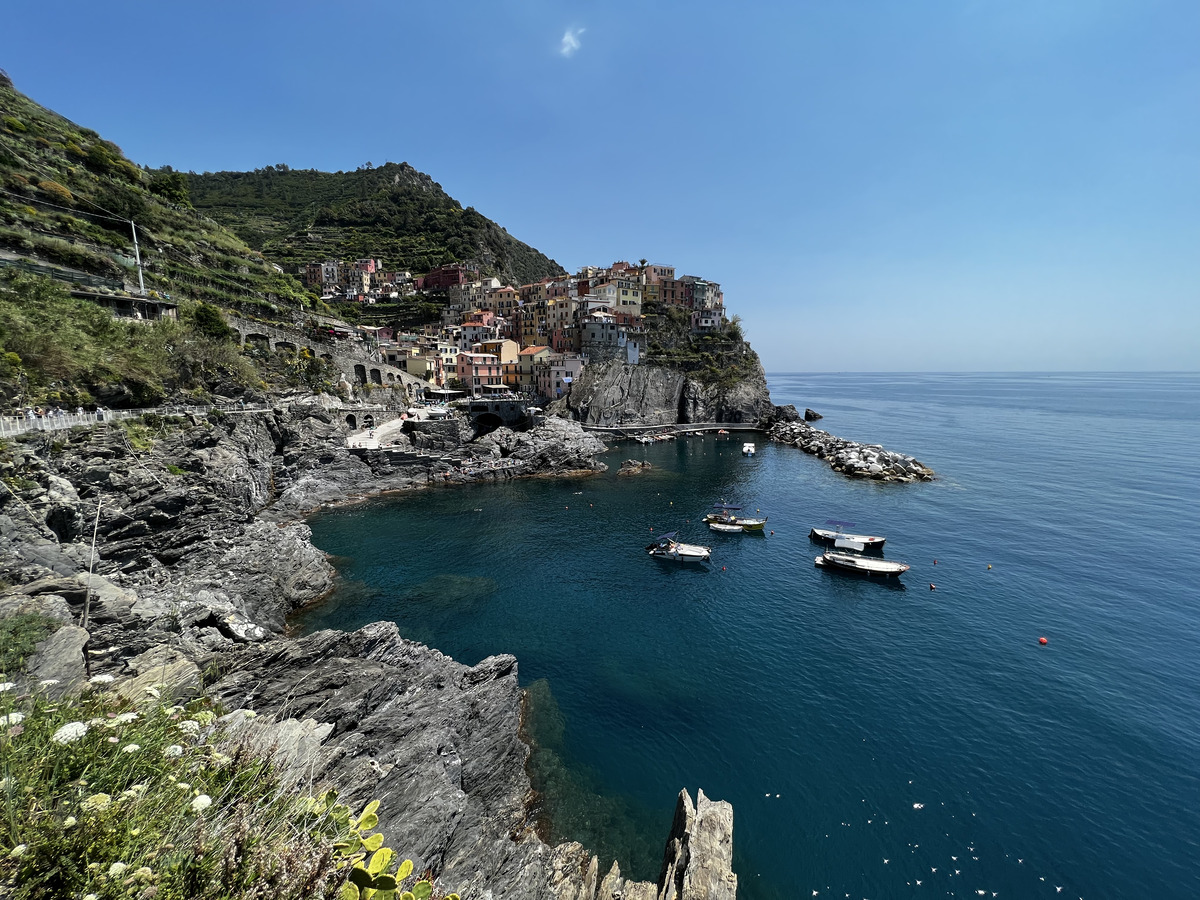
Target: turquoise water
[827, 708]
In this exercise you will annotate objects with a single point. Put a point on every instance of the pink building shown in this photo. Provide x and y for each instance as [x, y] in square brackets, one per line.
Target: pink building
[478, 369]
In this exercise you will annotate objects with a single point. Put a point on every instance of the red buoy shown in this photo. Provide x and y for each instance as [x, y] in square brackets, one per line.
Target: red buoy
[722, 568]
[935, 562]
[1043, 641]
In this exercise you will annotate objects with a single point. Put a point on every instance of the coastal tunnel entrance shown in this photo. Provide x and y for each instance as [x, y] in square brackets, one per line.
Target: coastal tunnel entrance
[352, 422]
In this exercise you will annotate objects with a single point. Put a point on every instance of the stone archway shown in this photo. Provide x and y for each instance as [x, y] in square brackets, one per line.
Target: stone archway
[352, 422]
[286, 347]
[258, 340]
[376, 377]
[360, 373]
[368, 421]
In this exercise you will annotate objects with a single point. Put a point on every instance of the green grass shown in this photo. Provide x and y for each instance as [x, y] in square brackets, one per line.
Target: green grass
[103, 797]
[19, 635]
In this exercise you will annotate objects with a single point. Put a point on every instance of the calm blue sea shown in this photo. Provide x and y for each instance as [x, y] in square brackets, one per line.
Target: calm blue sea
[875, 741]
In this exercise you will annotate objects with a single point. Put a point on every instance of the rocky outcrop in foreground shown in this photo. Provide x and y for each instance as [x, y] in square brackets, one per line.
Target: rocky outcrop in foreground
[199, 562]
[850, 457]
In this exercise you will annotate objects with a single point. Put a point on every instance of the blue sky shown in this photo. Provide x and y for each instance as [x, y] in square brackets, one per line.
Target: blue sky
[878, 185]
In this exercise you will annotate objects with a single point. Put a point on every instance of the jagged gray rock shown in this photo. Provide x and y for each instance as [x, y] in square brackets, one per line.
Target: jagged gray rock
[58, 662]
[198, 564]
[616, 393]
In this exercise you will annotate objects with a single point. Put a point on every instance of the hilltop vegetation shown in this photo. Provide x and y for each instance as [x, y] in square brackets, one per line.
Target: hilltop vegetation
[67, 197]
[393, 213]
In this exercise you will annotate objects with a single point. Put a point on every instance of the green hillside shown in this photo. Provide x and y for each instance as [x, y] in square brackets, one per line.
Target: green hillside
[67, 197]
[393, 213]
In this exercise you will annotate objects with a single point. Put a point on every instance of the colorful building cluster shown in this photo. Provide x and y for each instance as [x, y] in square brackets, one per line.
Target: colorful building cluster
[533, 339]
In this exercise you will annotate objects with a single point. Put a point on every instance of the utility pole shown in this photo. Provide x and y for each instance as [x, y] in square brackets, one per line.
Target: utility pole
[138, 256]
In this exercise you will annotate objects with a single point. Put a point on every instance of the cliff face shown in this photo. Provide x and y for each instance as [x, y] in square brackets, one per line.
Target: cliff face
[615, 393]
[192, 577]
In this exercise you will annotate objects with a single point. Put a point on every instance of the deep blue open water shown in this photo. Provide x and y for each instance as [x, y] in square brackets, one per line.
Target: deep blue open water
[869, 737]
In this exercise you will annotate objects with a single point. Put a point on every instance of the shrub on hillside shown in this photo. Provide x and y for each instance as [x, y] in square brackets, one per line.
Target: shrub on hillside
[57, 191]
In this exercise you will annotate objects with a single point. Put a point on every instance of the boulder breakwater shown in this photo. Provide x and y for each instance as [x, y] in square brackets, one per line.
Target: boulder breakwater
[850, 457]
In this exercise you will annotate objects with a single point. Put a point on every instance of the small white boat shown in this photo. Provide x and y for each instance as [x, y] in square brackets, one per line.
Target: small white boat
[861, 565]
[748, 448]
[726, 527]
[843, 540]
[666, 547]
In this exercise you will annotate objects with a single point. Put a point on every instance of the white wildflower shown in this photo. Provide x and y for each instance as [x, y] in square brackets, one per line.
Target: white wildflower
[173, 750]
[134, 792]
[117, 869]
[11, 719]
[70, 822]
[72, 731]
[101, 679]
[131, 748]
[184, 786]
[190, 727]
[125, 718]
[6, 686]
[96, 802]
[201, 803]
[145, 873]
[96, 722]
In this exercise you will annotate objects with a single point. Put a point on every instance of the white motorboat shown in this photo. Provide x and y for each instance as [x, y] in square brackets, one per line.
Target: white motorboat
[667, 547]
[861, 565]
[843, 540]
[748, 448]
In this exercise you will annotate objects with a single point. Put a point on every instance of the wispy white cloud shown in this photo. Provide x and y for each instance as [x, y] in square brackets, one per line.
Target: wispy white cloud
[570, 41]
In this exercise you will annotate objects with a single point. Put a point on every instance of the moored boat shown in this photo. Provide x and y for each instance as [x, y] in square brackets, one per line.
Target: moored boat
[861, 565]
[843, 540]
[726, 513]
[667, 547]
[726, 527]
[748, 448]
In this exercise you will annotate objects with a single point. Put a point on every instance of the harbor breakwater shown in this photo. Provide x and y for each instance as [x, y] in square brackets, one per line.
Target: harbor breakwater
[850, 457]
[200, 558]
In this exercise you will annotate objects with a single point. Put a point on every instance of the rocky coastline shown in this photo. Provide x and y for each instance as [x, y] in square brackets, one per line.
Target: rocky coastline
[201, 557]
[850, 457]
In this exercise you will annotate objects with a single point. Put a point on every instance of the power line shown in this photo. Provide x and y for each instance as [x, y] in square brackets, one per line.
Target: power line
[83, 212]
